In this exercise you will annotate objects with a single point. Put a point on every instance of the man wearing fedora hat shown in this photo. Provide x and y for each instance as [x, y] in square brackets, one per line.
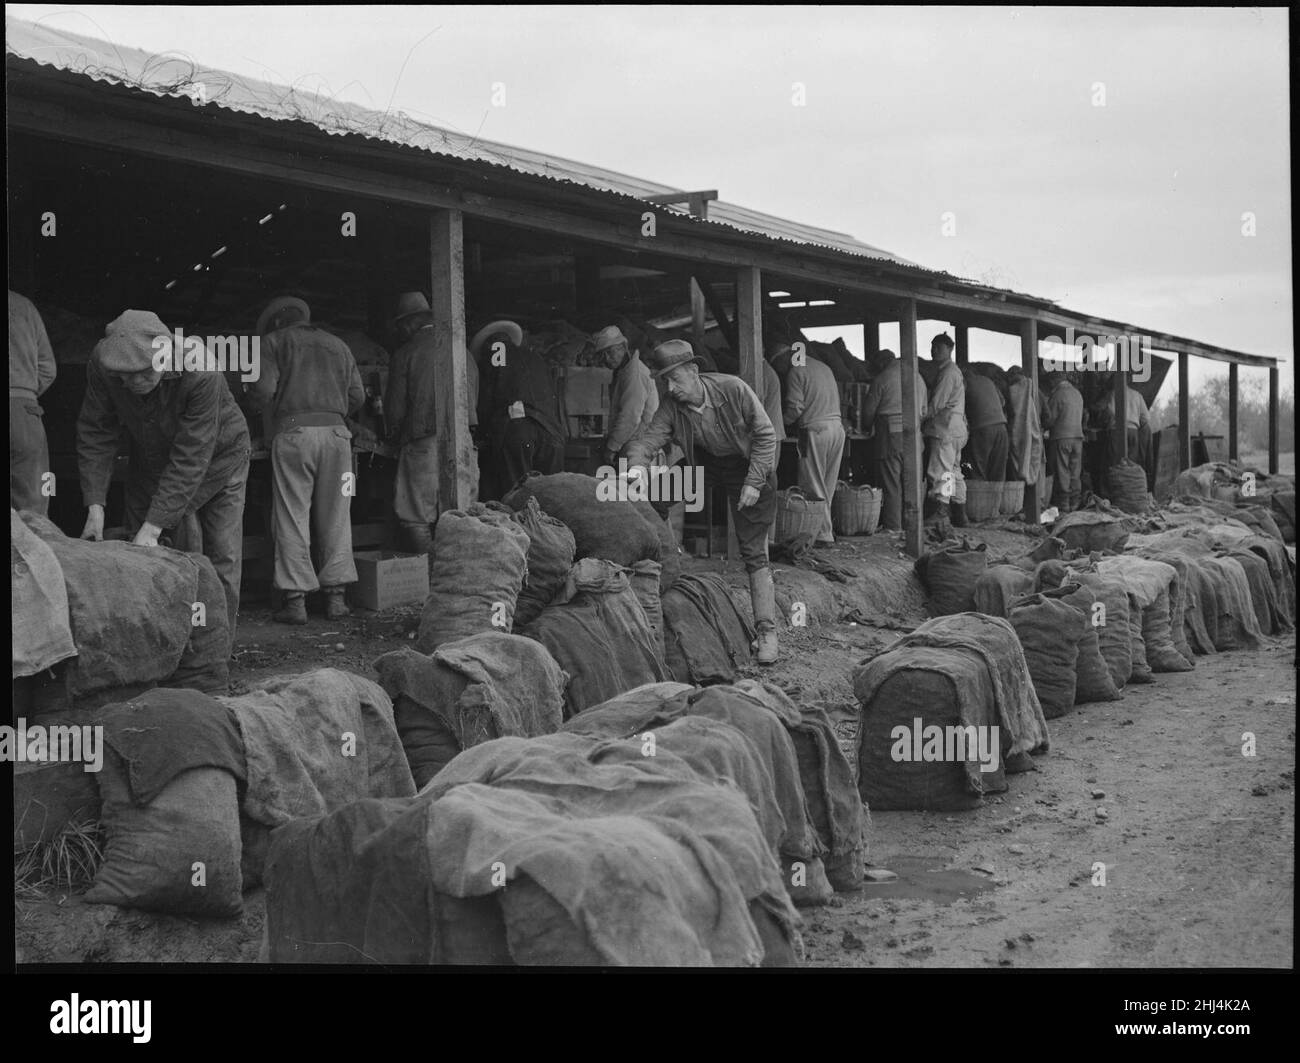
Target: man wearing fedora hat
[633, 397]
[190, 447]
[411, 406]
[310, 380]
[718, 421]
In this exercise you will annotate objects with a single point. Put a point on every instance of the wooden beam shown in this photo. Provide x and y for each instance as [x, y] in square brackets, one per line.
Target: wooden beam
[697, 313]
[1119, 399]
[1234, 396]
[963, 344]
[913, 480]
[1272, 421]
[718, 311]
[1029, 363]
[749, 324]
[1184, 411]
[870, 336]
[447, 272]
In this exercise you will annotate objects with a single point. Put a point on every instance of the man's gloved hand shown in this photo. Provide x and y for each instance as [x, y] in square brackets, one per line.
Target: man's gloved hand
[748, 497]
[94, 529]
[147, 535]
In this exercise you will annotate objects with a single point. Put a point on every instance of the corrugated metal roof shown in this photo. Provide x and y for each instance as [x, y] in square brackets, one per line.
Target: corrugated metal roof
[176, 73]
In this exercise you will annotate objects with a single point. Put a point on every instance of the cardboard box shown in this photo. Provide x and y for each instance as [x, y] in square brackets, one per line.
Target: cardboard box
[386, 579]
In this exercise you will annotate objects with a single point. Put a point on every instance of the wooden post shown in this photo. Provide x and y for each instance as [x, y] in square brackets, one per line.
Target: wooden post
[913, 480]
[697, 313]
[1272, 421]
[870, 337]
[963, 345]
[1233, 396]
[1029, 363]
[586, 285]
[1119, 399]
[1184, 411]
[749, 325]
[447, 269]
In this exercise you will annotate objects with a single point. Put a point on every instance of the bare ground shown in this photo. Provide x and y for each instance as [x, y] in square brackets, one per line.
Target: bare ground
[1197, 840]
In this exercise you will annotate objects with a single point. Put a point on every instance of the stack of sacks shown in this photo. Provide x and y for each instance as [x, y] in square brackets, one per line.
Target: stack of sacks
[480, 559]
[603, 528]
[1151, 587]
[998, 586]
[192, 779]
[132, 615]
[706, 637]
[949, 575]
[947, 711]
[821, 841]
[598, 632]
[1095, 528]
[470, 691]
[550, 556]
[556, 850]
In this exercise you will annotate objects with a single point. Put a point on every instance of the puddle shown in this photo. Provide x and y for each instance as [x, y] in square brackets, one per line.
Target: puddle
[921, 878]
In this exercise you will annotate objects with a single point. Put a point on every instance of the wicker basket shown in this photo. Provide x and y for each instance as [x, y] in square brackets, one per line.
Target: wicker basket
[1013, 497]
[797, 515]
[855, 510]
[983, 499]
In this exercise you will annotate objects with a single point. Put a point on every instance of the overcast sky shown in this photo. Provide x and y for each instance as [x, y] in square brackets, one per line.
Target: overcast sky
[1132, 209]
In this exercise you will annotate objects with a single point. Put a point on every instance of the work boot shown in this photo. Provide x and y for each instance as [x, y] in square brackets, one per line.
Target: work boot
[294, 610]
[938, 522]
[335, 607]
[763, 594]
[957, 511]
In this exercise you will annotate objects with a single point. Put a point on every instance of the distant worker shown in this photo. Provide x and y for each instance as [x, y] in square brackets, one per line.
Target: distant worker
[987, 448]
[411, 409]
[310, 380]
[1063, 424]
[633, 397]
[945, 426]
[1137, 425]
[190, 447]
[517, 403]
[769, 394]
[719, 423]
[883, 412]
[812, 408]
[31, 372]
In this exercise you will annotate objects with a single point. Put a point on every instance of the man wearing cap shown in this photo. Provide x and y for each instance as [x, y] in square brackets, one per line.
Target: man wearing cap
[518, 403]
[191, 446]
[31, 372]
[1062, 420]
[411, 407]
[719, 423]
[812, 408]
[633, 397]
[883, 410]
[944, 425]
[310, 380]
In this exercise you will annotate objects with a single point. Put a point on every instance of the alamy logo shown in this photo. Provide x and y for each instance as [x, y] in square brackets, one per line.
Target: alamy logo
[209, 354]
[953, 744]
[659, 483]
[102, 1016]
[56, 744]
[1132, 354]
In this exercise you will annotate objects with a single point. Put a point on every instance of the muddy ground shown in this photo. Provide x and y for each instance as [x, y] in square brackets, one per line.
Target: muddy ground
[1197, 840]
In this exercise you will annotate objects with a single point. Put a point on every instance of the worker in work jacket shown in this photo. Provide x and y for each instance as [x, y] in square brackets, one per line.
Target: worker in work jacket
[410, 406]
[310, 380]
[31, 372]
[1062, 419]
[944, 426]
[189, 459]
[883, 411]
[987, 448]
[633, 397]
[719, 422]
[812, 409]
